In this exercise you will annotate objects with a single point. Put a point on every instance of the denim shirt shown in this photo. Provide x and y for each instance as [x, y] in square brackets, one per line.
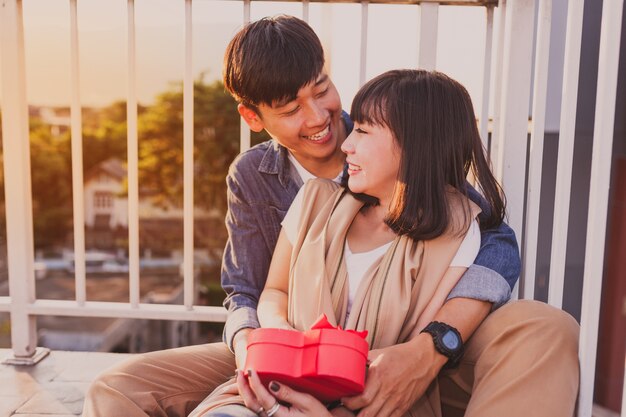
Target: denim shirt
[262, 183]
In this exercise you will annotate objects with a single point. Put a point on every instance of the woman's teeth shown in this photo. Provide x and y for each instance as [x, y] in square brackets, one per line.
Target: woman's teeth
[320, 135]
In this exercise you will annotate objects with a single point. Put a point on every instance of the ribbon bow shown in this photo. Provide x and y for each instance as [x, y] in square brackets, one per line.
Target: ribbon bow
[323, 323]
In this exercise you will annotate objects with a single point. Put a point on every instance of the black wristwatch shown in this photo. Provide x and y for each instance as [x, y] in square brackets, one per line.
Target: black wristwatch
[448, 342]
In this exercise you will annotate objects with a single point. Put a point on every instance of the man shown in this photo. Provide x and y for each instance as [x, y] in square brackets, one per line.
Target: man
[275, 69]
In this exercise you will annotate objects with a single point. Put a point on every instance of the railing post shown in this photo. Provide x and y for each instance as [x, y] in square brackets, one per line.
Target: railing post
[535, 157]
[603, 133]
[429, 22]
[17, 188]
[513, 131]
[364, 28]
[565, 161]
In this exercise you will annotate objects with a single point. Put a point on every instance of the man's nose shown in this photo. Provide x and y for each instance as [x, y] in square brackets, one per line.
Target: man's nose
[316, 114]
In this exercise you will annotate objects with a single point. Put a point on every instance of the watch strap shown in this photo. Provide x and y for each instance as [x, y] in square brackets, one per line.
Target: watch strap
[437, 329]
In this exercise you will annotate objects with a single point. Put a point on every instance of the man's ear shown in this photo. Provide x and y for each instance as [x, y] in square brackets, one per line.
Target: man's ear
[251, 117]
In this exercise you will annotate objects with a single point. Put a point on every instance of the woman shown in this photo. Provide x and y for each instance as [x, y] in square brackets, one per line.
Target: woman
[384, 254]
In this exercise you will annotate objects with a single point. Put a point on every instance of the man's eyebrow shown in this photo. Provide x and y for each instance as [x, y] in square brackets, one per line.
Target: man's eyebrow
[286, 100]
[321, 79]
[283, 101]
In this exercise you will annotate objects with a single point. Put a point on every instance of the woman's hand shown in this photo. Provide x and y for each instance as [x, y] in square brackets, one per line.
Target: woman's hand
[265, 402]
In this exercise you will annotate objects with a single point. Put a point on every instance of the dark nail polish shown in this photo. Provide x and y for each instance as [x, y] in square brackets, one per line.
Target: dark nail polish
[249, 373]
[274, 386]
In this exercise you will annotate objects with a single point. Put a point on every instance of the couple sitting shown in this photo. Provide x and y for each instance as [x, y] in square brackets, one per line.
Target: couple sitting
[406, 249]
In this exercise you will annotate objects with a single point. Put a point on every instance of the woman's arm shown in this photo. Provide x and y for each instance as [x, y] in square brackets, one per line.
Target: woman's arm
[273, 303]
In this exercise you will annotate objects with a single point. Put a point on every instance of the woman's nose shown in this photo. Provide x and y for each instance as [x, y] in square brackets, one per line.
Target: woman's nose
[347, 146]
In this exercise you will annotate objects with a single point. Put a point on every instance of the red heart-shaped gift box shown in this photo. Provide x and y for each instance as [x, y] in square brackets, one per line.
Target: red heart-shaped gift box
[326, 362]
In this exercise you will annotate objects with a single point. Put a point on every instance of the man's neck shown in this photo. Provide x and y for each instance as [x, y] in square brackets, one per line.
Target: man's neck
[329, 168]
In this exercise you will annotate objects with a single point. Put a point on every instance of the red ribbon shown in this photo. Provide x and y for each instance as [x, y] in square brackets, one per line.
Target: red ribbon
[323, 323]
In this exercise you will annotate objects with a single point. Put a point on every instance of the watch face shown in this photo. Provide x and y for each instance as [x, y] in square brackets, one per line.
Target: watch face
[450, 340]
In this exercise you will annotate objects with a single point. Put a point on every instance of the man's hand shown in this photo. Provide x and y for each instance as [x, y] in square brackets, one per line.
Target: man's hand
[397, 376]
[240, 346]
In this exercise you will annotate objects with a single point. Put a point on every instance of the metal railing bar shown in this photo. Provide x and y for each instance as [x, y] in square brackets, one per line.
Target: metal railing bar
[428, 25]
[573, 41]
[244, 130]
[364, 30]
[5, 304]
[484, 108]
[481, 3]
[305, 10]
[127, 310]
[133, 163]
[17, 180]
[497, 85]
[188, 162]
[516, 75]
[533, 196]
[78, 191]
[603, 133]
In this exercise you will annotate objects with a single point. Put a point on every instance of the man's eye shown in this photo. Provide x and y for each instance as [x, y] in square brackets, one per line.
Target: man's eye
[291, 112]
[359, 130]
[322, 93]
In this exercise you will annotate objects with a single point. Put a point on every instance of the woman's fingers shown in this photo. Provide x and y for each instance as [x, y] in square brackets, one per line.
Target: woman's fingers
[248, 395]
[264, 397]
[306, 404]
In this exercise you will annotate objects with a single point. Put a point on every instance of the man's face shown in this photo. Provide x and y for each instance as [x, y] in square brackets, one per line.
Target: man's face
[310, 125]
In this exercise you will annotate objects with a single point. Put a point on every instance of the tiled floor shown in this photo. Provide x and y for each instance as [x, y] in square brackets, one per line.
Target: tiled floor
[54, 387]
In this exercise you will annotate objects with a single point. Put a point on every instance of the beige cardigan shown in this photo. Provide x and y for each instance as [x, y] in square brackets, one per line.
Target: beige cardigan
[397, 297]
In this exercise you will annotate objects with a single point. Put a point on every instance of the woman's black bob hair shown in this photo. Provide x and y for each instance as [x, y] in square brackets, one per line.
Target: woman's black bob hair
[432, 120]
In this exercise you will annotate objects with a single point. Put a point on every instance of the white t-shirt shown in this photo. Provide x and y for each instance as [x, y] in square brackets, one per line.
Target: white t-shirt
[358, 263]
[306, 175]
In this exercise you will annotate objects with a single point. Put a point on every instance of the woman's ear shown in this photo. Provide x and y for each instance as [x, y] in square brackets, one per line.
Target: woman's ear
[251, 117]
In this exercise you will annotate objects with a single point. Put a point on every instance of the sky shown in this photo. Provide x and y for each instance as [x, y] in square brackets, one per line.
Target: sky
[392, 43]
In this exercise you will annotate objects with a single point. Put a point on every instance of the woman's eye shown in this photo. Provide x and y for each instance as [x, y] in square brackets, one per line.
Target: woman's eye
[359, 130]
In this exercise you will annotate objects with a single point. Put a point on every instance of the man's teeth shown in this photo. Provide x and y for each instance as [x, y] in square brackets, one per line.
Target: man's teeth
[352, 167]
[319, 135]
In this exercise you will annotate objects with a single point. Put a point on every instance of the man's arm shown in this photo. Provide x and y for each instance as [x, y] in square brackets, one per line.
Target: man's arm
[245, 263]
[497, 266]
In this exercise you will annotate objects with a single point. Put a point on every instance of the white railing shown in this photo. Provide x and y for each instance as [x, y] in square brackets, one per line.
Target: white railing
[507, 75]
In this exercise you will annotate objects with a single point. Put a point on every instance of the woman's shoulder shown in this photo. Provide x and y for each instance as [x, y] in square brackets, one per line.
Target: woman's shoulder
[320, 186]
[461, 211]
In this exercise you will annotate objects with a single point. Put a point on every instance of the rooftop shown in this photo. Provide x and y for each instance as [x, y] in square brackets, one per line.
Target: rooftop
[56, 386]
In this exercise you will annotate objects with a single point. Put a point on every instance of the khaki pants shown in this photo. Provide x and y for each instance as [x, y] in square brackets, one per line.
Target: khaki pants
[522, 361]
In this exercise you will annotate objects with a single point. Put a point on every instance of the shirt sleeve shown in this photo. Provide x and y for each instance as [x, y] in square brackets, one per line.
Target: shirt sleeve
[245, 262]
[497, 266]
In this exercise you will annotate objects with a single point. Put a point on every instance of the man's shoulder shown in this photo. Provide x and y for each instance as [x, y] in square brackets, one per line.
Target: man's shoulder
[251, 158]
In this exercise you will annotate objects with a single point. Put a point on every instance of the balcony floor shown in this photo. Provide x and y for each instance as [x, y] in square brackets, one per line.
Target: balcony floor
[56, 386]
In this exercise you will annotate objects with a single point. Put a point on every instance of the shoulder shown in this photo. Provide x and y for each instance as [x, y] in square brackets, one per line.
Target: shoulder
[248, 162]
[318, 192]
[318, 186]
[462, 211]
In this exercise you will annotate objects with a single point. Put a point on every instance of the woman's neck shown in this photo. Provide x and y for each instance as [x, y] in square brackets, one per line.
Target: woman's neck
[369, 230]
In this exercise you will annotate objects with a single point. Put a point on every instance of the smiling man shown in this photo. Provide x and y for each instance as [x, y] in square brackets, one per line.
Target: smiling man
[520, 359]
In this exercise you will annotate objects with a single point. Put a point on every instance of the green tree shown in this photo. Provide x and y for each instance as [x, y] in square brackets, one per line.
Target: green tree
[216, 143]
[51, 177]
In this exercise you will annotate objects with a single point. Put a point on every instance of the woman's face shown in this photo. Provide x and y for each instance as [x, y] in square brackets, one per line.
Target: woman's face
[373, 158]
